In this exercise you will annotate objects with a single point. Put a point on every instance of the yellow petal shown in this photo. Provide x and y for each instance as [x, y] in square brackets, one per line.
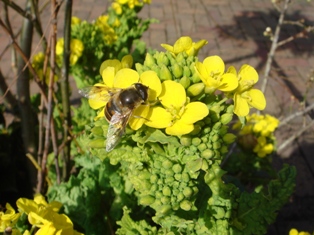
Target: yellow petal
[182, 44]
[116, 64]
[172, 95]
[108, 76]
[139, 116]
[100, 114]
[167, 47]
[158, 118]
[150, 79]
[125, 78]
[241, 107]
[96, 103]
[247, 72]
[229, 82]
[127, 61]
[214, 64]
[179, 128]
[258, 100]
[232, 70]
[202, 72]
[194, 112]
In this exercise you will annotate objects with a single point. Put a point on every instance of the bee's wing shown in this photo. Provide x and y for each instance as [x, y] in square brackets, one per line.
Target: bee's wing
[116, 129]
[102, 93]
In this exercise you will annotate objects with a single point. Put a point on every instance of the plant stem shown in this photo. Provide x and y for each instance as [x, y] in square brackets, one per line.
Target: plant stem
[65, 90]
[28, 116]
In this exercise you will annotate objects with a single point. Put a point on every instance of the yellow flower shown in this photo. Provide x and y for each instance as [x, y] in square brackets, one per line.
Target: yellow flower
[8, 218]
[176, 115]
[211, 72]
[294, 231]
[75, 20]
[263, 148]
[76, 47]
[109, 33]
[38, 64]
[185, 44]
[117, 8]
[119, 75]
[244, 96]
[53, 224]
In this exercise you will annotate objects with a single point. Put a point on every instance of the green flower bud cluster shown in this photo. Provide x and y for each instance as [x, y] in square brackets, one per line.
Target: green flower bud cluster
[210, 138]
[179, 68]
[167, 186]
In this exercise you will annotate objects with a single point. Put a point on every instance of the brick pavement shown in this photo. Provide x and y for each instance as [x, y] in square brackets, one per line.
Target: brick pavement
[234, 30]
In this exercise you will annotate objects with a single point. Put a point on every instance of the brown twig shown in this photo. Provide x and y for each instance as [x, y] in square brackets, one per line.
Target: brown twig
[274, 46]
[294, 136]
[26, 60]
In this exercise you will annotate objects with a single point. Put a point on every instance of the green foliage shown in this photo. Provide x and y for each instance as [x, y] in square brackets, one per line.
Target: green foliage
[111, 36]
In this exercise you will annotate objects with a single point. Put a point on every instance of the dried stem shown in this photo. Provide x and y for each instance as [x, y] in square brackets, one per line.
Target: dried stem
[293, 137]
[274, 45]
[50, 128]
[297, 114]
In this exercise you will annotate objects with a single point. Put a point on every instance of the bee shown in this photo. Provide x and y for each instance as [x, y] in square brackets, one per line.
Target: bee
[119, 108]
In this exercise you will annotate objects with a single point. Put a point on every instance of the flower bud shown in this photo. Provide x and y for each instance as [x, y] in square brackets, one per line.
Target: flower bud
[185, 82]
[188, 192]
[196, 141]
[229, 138]
[166, 191]
[162, 59]
[186, 71]
[186, 140]
[146, 200]
[167, 164]
[195, 78]
[196, 89]
[180, 196]
[208, 153]
[226, 118]
[149, 60]
[177, 168]
[165, 73]
[165, 200]
[180, 58]
[177, 70]
[186, 205]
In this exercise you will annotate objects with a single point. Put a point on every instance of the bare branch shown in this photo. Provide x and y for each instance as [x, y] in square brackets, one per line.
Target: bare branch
[294, 136]
[274, 45]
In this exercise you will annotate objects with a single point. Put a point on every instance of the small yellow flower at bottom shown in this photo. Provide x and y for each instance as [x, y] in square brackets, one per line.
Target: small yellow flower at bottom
[294, 231]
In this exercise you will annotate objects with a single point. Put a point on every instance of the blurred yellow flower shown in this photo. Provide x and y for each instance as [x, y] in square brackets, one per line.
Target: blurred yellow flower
[76, 47]
[75, 20]
[294, 231]
[8, 218]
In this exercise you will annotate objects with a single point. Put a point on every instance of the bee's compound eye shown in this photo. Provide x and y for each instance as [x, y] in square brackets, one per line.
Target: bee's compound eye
[142, 90]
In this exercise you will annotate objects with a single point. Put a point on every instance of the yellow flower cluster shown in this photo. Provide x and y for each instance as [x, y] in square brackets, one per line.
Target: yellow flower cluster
[41, 214]
[175, 113]
[294, 231]
[76, 47]
[109, 32]
[236, 85]
[258, 133]
[117, 4]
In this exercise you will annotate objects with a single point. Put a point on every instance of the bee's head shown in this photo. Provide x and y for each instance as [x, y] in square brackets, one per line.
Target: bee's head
[142, 90]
